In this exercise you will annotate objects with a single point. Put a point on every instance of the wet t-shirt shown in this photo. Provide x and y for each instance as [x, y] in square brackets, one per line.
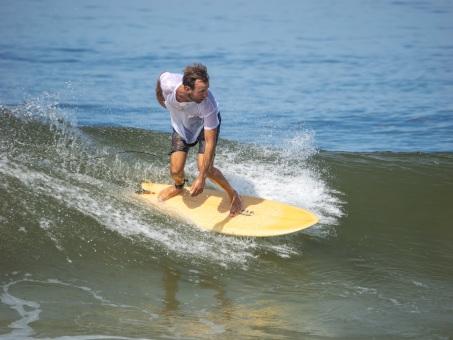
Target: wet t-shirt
[188, 118]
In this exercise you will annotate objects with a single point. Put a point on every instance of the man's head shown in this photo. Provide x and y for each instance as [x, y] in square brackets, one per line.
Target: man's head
[196, 82]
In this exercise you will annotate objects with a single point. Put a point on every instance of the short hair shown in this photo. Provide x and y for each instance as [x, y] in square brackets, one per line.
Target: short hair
[194, 72]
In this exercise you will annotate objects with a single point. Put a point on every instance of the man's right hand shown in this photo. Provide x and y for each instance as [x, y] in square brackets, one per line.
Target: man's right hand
[197, 187]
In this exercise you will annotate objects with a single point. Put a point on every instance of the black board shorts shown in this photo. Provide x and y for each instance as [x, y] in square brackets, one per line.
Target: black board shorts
[179, 144]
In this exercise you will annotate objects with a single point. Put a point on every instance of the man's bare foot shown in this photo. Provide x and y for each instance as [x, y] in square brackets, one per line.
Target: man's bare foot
[236, 205]
[168, 193]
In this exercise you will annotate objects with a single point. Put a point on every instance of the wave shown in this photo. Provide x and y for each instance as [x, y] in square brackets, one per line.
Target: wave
[71, 189]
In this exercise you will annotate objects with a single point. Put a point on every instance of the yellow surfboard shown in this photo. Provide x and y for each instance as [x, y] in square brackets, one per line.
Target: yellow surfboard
[210, 210]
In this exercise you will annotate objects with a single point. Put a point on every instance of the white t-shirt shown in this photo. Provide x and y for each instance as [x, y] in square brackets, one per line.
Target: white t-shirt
[188, 119]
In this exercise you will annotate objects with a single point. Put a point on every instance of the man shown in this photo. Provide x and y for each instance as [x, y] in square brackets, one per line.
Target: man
[195, 118]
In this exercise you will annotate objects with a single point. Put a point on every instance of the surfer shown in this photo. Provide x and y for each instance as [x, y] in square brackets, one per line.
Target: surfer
[195, 119]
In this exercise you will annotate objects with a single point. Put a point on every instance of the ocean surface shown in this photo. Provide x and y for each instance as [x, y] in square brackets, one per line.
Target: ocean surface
[344, 108]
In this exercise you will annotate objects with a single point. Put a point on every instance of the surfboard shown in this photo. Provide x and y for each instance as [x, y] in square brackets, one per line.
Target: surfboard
[210, 210]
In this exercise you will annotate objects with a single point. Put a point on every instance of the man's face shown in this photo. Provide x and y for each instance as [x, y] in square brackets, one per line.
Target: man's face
[200, 91]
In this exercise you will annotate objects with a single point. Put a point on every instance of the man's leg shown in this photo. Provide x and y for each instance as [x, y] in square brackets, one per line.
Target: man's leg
[177, 163]
[216, 176]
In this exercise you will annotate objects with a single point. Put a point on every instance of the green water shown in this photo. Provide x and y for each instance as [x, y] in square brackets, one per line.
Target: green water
[81, 257]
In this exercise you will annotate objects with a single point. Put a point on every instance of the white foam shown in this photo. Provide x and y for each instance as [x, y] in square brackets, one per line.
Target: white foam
[21, 328]
[289, 175]
[29, 311]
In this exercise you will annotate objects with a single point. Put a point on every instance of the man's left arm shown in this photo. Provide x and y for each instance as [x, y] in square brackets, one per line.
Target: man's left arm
[207, 162]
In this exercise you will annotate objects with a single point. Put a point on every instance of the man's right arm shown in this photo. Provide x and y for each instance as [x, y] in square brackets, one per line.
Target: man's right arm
[159, 94]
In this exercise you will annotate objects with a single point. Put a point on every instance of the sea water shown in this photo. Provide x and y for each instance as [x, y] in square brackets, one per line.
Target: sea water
[343, 108]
